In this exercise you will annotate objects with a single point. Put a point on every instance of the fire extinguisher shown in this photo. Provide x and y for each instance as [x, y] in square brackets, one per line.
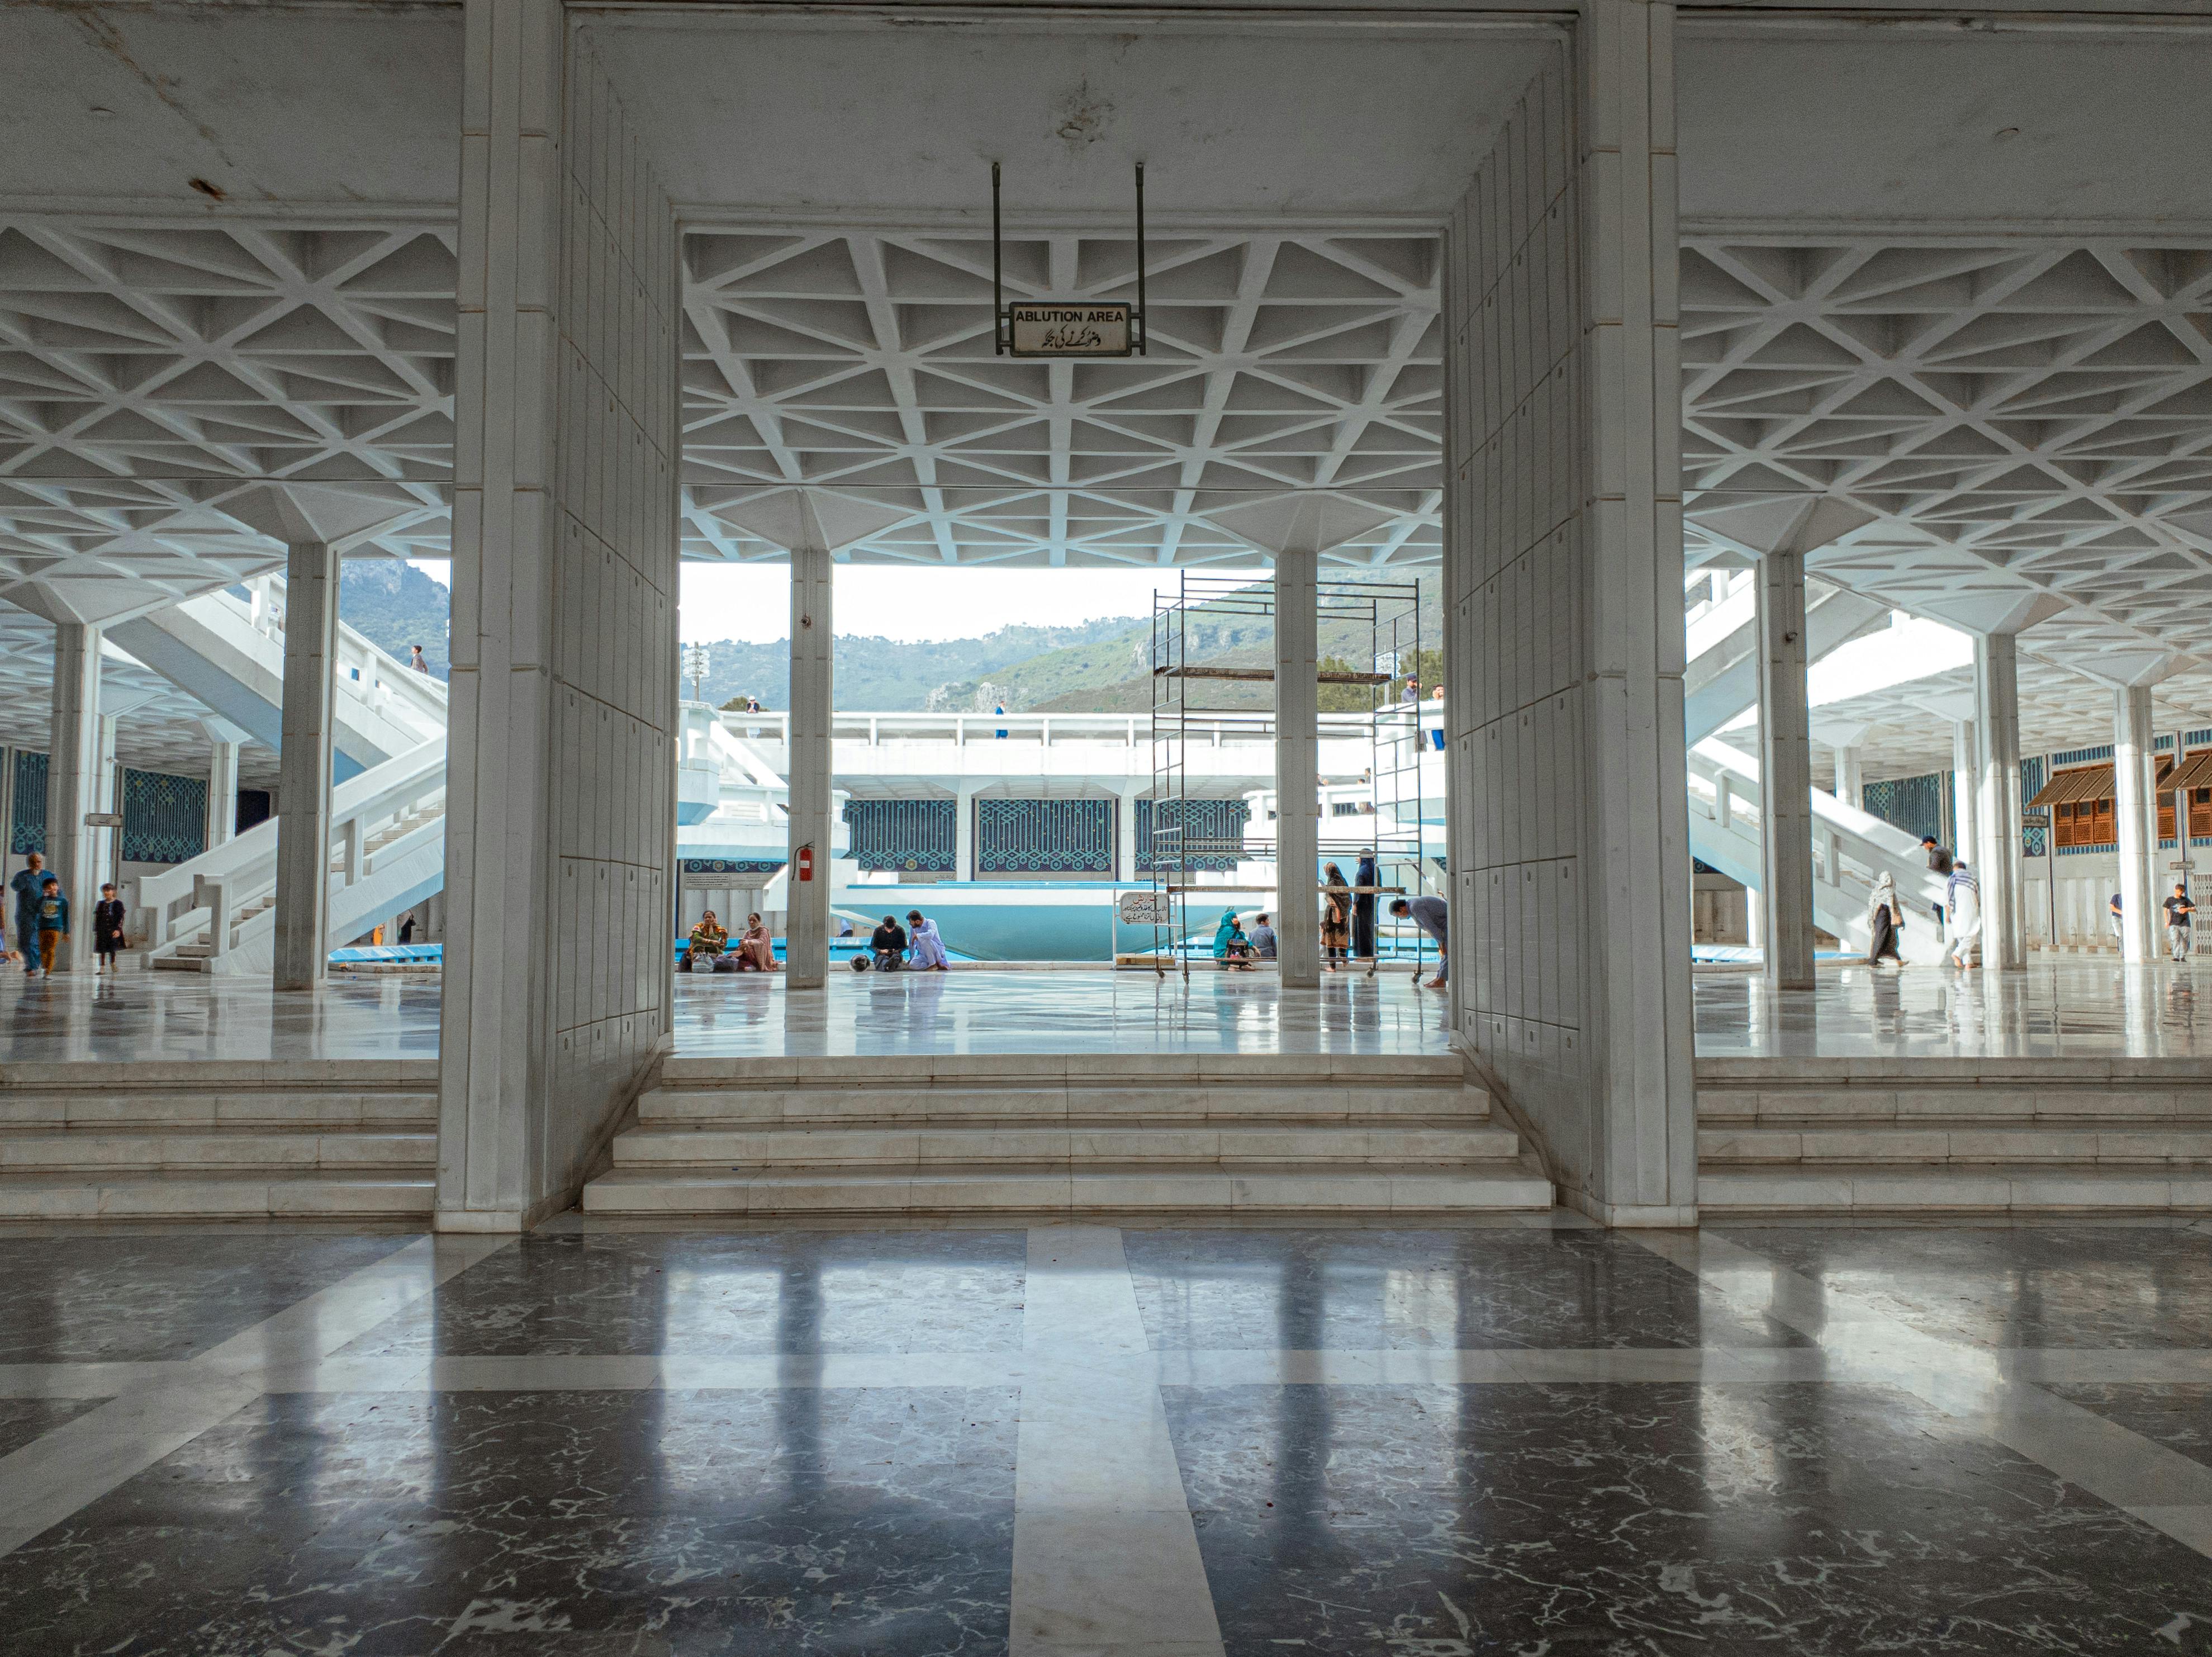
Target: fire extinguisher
[807, 863]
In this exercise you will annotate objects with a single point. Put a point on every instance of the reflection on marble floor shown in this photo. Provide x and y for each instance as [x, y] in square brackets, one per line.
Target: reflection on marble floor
[2072, 1007]
[977, 1010]
[156, 1016]
[1081, 1439]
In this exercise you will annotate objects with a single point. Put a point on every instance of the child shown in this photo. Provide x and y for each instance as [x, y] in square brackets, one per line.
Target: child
[53, 923]
[107, 929]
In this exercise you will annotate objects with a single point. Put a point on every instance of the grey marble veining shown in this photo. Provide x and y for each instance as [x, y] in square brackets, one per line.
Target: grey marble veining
[746, 1522]
[704, 1294]
[1307, 1290]
[1657, 1519]
[23, 1419]
[171, 1016]
[2177, 1414]
[2009, 1286]
[145, 1296]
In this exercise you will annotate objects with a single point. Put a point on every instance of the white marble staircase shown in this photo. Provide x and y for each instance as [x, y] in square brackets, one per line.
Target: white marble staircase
[2019, 1137]
[1057, 1133]
[354, 1140]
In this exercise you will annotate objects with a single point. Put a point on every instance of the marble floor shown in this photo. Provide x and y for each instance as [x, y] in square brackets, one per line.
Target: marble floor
[2070, 1006]
[1523, 1437]
[177, 1016]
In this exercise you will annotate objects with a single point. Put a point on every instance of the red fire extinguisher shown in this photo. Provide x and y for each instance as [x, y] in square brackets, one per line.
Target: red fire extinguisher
[807, 863]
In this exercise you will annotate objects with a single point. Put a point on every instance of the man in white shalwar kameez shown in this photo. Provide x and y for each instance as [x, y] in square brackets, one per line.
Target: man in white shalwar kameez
[1962, 899]
[925, 948]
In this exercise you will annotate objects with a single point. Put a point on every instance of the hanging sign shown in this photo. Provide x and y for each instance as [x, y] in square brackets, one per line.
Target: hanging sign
[1076, 328]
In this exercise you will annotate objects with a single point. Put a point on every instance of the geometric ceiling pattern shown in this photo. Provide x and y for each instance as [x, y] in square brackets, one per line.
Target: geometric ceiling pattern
[152, 378]
[1279, 369]
[1996, 431]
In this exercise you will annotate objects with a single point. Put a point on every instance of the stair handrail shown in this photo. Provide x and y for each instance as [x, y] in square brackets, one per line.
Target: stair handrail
[366, 668]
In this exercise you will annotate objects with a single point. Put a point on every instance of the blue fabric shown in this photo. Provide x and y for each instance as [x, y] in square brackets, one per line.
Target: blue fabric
[25, 885]
[27, 937]
[1221, 934]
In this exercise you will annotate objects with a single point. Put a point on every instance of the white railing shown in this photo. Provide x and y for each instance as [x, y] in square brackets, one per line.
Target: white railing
[364, 669]
[220, 901]
[1043, 730]
[1850, 847]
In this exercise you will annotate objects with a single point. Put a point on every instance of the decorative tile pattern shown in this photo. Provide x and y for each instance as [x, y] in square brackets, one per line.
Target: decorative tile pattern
[909, 835]
[28, 833]
[164, 817]
[1055, 836]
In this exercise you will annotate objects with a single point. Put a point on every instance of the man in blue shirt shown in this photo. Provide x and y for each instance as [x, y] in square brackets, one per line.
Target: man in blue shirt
[25, 887]
[1430, 915]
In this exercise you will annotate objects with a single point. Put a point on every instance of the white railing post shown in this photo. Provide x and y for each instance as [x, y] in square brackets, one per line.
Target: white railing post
[349, 849]
[213, 894]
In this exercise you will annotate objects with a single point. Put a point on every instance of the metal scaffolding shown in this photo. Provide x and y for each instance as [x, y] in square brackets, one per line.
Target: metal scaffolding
[1212, 638]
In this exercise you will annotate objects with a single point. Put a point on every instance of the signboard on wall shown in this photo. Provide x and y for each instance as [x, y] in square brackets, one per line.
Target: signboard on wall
[1046, 328]
[1144, 908]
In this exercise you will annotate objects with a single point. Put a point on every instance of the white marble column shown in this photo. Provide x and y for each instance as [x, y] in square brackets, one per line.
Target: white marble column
[1563, 620]
[964, 832]
[303, 829]
[806, 929]
[1996, 721]
[107, 843]
[73, 783]
[1965, 785]
[2134, 767]
[560, 773]
[1298, 768]
[1785, 771]
[223, 787]
[1849, 783]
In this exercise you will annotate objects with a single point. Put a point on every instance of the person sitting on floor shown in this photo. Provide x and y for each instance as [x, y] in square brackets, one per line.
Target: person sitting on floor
[888, 945]
[706, 941]
[926, 954]
[1263, 938]
[755, 950]
[1231, 947]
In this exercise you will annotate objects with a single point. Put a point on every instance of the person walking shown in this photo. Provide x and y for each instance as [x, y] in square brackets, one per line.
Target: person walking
[1433, 917]
[106, 930]
[1962, 898]
[1885, 921]
[1364, 879]
[2178, 909]
[1336, 916]
[415, 660]
[1940, 862]
[2112, 914]
[53, 923]
[25, 887]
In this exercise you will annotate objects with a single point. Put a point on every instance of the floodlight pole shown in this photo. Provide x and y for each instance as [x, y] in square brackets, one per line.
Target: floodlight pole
[997, 293]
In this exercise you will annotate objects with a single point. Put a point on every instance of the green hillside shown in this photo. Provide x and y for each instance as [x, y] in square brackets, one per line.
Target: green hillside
[395, 606]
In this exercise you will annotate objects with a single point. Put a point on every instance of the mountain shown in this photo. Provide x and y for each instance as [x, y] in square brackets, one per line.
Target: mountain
[395, 606]
[1114, 675]
[898, 674]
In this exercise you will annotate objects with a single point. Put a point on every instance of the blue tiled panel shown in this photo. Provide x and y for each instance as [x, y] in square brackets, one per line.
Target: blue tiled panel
[164, 817]
[1213, 823]
[1912, 804]
[731, 866]
[916, 835]
[28, 832]
[1059, 836]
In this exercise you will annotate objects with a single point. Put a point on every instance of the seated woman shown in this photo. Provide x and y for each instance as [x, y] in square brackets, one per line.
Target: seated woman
[706, 941]
[927, 950]
[1231, 947]
[755, 950]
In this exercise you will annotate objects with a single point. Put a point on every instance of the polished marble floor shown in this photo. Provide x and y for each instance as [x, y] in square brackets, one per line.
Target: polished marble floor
[1525, 1436]
[2070, 1006]
[181, 1016]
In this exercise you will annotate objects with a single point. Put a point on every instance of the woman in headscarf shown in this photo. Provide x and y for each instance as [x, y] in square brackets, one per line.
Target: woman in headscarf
[925, 948]
[1885, 920]
[1962, 898]
[705, 942]
[1221, 934]
[755, 950]
[1367, 877]
[1336, 915]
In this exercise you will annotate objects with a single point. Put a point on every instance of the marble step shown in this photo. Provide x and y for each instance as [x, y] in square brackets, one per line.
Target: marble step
[1094, 1188]
[98, 1151]
[2040, 1188]
[190, 1111]
[1054, 1069]
[907, 1143]
[969, 1101]
[2142, 1140]
[291, 1195]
